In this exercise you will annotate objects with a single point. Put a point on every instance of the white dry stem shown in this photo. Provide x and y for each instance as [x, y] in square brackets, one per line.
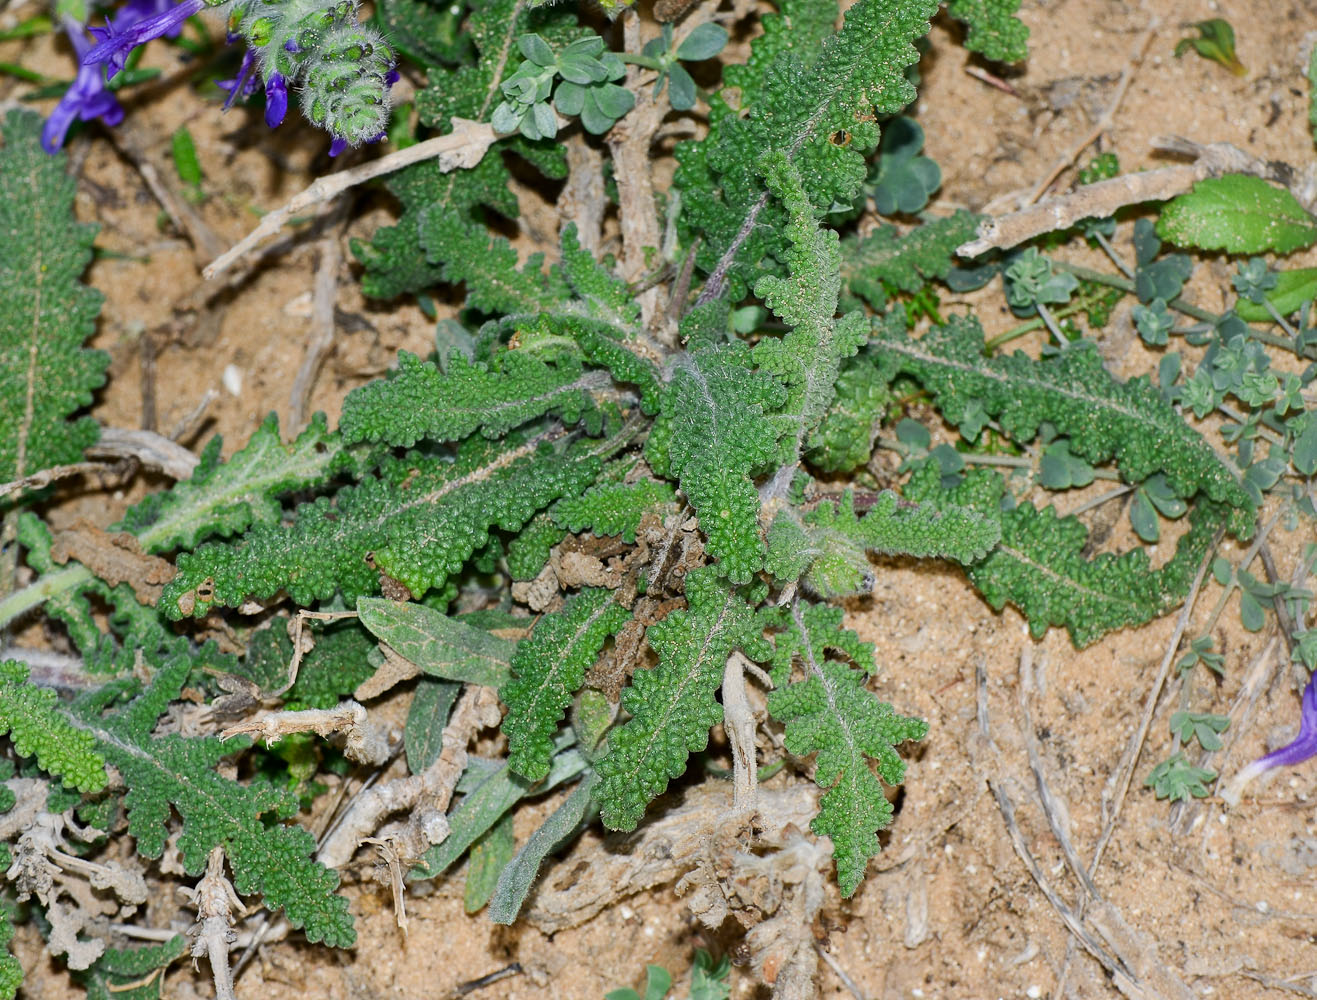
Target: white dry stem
[40, 868]
[393, 865]
[363, 741]
[461, 149]
[216, 904]
[427, 794]
[739, 724]
[1097, 201]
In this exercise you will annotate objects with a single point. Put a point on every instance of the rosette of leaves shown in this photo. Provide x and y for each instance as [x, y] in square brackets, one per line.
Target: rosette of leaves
[704, 42]
[582, 71]
[902, 180]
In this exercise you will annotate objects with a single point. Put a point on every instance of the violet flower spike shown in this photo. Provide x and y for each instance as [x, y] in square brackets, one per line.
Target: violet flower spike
[86, 97]
[244, 84]
[276, 100]
[1303, 746]
[119, 40]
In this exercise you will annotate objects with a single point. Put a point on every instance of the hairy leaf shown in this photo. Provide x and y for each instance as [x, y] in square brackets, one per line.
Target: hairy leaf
[28, 715]
[174, 773]
[547, 668]
[712, 435]
[830, 712]
[816, 107]
[994, 31]
[672, 705]
[46, 312]
[224, 498]
[417, 521]
[1237, 214]
[889, 259]
[441, 646]
[613, 508]
[1103, 418]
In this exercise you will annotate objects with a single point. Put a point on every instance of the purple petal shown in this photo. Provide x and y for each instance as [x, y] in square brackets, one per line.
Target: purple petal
[276, 100]
[392, 76]
[244, 84]
[86, 98]
[1305, 744]
[118, 40]
[1296, 752]
[337, 146]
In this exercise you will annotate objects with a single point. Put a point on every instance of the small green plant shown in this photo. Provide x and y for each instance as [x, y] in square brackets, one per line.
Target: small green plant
[631, 478]
[709, 981]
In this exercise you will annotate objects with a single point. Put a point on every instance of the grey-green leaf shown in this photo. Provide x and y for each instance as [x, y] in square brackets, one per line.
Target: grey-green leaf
[439, 645]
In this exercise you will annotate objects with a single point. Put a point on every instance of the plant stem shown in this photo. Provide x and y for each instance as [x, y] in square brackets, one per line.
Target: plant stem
[1110, 251]
[649, 62]
[1179, 305]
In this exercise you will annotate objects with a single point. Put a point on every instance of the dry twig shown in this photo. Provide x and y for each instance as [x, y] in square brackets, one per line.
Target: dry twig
[461, 148]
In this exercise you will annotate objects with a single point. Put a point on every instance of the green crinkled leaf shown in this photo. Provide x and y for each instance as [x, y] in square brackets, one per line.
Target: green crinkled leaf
[672, 704]
[613, 508]
[1103, 418]
[11, 972]
[172, 773]
[224, 498]
[37, 728]
[1237, 214]
[395, 259]
[46, 312]
[1040, 564]
[425, 31]
[813, 104]
[419, 401]
[829, 545]
[808, 358]
[547, 668]
[418, 520]
[994, 31]
[441, 646]
[844, 437]
[529, 551]
[329, 671]
[831, 713]
[888, 258]
[712, 434]
[111, 977]
[574, 313]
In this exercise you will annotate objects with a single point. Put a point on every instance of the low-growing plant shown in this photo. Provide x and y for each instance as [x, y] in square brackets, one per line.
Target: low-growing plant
[635, 478]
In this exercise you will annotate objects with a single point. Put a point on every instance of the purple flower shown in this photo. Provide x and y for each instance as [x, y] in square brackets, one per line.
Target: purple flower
[245, 83]
[276, 99]
[1300, 749]
[118, 39]
[85, 99]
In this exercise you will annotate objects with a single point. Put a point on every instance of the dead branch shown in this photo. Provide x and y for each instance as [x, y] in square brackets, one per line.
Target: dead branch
[1097, 201]
[664, 850]
[1108, 117]
[1134, 966]
[460, 149]
[216, 903]
[322, 321]
[739, 724]
[427, 794]
[1113, 795]
[363, 741]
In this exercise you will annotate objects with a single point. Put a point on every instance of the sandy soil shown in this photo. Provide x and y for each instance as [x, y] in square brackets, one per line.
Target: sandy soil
[1223, 900]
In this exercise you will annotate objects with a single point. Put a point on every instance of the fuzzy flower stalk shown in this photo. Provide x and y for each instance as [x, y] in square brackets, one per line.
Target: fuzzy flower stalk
[1296, 752]
[341, 69]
